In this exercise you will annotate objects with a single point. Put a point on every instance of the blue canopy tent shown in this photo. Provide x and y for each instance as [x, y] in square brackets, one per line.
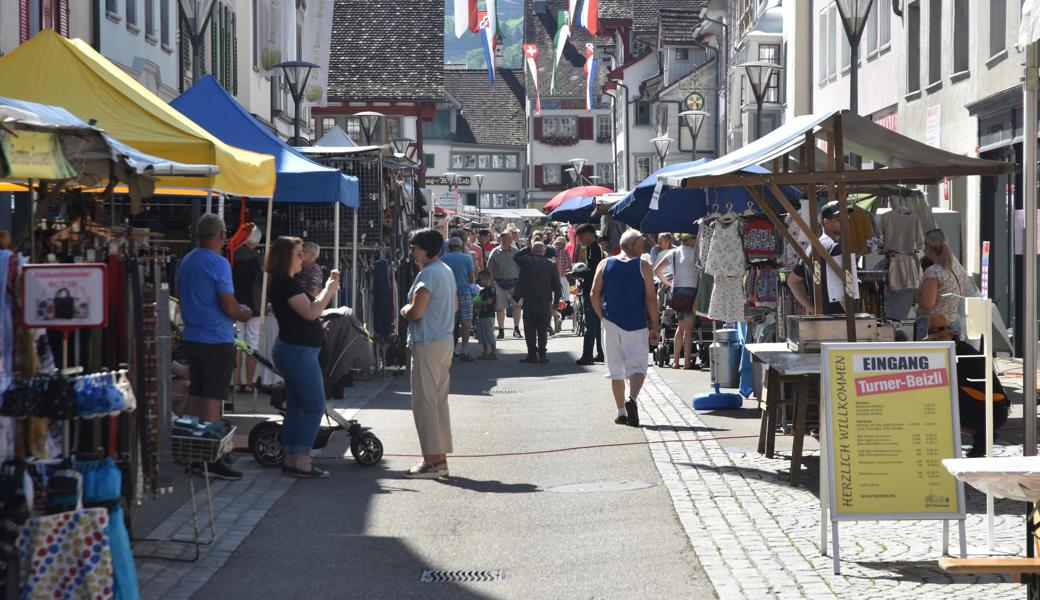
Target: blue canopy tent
[575, 210]
[679, 208]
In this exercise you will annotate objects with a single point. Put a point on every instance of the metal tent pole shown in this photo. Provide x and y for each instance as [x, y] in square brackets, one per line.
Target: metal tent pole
[335, 246]
[1029, 182]
[353, 265]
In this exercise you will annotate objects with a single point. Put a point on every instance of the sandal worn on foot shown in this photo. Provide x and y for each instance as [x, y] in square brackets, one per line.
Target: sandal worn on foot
[428, 471]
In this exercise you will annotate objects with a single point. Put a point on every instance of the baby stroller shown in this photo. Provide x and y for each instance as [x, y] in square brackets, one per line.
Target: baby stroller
[347, 346]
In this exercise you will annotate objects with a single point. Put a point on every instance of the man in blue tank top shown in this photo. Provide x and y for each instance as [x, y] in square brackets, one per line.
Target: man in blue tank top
[624, 297]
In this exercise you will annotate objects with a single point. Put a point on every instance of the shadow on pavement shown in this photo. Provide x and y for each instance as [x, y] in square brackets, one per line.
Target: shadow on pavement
[689, 428]
[489, 486]
[913, 571]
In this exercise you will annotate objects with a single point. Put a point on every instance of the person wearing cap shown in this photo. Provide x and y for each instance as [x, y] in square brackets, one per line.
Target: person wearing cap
[971, 386]
[800, 279]
[506, 273]
[586, 234]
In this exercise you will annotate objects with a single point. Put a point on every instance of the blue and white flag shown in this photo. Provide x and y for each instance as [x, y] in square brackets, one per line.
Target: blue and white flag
[487, 39]
[590, 73]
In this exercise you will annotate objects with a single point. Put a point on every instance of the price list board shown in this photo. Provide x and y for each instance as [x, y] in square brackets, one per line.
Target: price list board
[890, 414]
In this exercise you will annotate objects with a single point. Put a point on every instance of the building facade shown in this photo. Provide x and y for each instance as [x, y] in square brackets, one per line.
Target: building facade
[477, 131]
[946, 73]
[565, 129]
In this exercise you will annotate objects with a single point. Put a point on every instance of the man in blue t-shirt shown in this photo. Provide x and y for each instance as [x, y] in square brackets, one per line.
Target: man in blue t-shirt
[209, 310]
[462, 267]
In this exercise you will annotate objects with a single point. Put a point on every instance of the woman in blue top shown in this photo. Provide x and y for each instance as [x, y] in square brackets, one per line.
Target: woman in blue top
[432, 302]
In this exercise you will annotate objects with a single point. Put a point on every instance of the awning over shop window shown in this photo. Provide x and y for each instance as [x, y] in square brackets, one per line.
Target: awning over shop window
[54, 70]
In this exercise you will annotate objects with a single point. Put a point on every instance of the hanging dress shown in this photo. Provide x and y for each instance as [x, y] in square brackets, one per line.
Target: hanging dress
[727, 265]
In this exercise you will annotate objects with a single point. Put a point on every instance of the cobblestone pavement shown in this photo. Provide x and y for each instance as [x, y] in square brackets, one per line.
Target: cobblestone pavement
[238, 507]
[757, 536]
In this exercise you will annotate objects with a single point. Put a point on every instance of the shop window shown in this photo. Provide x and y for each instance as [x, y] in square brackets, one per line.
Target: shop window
[960, 36]
[913, 47]
[997, 26]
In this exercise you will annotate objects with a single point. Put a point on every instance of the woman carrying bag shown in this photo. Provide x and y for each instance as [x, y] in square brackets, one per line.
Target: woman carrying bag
[295, 354]
[685, 274]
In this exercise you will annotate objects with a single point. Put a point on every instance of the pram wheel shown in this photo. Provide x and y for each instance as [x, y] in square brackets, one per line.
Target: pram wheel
[367, 449]
[265, 442]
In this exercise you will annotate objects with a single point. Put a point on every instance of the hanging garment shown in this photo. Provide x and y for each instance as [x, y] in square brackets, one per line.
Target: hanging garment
[726, 255]
[760, 238]
[902, 236]
[6, 321]
[704, 244]
[727, 299]
[704, 287]
[861, 231]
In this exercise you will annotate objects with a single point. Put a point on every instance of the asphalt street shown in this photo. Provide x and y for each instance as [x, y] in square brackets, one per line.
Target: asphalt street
[587, 523]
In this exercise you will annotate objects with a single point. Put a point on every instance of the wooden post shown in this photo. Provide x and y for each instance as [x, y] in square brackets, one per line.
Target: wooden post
[809, 164]
[843, 218]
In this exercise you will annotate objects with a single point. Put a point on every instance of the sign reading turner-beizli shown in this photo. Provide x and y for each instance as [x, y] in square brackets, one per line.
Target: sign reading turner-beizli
[889, 418]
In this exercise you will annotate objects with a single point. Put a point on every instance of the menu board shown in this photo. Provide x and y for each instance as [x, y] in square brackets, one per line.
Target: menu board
[890, 411]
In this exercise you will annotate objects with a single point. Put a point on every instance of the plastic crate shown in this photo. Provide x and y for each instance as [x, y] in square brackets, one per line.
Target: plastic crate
[189, 449]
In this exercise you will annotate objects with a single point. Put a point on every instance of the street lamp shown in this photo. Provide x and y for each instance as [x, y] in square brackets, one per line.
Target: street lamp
[296, 72]
[196, 15]
[759, 73]
[369, 121]
[480, 185]
[401, 146]
[661, 144]
[578, 164]
[854, 19]
[694, 120]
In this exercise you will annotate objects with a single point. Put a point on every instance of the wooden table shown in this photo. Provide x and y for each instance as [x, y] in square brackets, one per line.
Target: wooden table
[782, 366]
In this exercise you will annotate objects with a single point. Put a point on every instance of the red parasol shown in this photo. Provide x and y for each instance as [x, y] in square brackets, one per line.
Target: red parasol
[590, 191]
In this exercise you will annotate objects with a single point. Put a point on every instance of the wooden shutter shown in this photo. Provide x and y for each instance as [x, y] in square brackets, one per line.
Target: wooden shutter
[63, 17]
[537, 127]
[538, 178]
[588, 171]
[585, 127]
[23, 21]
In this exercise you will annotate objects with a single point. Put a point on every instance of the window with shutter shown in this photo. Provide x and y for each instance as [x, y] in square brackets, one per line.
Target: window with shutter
[23, 20]
[538, 128]
[63, 18]
[585, 128]
[538, 176]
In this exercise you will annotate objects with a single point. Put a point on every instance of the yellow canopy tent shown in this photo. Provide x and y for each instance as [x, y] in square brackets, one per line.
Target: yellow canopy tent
[51, 69]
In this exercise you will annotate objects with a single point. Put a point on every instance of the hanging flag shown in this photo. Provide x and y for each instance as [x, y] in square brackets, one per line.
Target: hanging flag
[465, 14]
[590, 74]
[487, 39]
[588, 15]
[492, 12]
[531, 55]
[572, 15]
[563, 31]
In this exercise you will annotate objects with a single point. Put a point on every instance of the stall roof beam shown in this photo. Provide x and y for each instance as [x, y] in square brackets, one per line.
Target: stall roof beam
[910, 176]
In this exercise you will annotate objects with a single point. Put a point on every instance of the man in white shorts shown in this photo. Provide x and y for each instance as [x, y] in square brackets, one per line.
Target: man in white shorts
[624, 297]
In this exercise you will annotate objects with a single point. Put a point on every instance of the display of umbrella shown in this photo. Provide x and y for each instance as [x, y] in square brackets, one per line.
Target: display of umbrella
[588, 191]
[575, 210]
[679, 208]
[440, 211]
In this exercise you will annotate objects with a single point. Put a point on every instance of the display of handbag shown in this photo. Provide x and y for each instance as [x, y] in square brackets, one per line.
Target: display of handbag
[682, 302]
[64, 304]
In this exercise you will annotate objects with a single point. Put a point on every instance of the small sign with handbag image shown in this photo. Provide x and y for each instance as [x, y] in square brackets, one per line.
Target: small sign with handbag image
[70, 296]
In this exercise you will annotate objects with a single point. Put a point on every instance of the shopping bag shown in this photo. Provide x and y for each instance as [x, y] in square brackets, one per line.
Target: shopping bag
[64, 304]
[66, 555]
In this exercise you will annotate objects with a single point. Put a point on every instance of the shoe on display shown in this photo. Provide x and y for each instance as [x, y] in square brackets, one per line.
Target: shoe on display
[633, 413]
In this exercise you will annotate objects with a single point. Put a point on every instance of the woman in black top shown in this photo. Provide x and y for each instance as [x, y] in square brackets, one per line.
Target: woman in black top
[296, 354]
